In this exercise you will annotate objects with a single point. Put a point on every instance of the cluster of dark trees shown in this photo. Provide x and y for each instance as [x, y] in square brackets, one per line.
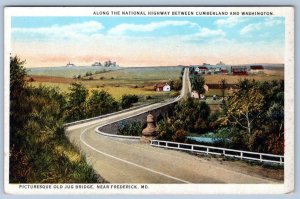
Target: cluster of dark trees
[81, 105]
[255, 113]
[39, 150]
[252, 117]
[189, 116]
[176, 84]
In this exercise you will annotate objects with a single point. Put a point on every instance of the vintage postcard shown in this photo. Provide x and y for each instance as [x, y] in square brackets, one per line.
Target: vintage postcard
[149, 100]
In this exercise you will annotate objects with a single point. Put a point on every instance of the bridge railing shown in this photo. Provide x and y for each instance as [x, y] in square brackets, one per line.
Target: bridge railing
[243, 155]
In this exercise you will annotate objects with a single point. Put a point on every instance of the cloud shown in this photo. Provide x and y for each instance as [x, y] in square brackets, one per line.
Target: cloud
[229, 22]
[122, 28]
[268, 22]
[205, 32]
[272, 22]
[63, 31]
[250, 28]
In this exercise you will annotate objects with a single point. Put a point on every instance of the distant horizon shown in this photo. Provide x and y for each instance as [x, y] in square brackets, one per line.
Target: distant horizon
[179, 65]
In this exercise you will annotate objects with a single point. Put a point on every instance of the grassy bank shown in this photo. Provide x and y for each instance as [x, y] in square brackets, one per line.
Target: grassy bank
[39, 150]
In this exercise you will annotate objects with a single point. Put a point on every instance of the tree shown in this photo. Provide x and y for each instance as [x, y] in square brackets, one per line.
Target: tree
[17, 76]
[78, 94]
[244, 108]
[76, 104]
[273, 104]
[223, 85]
[204, 110]
[128, 100]
[192, 70]
[198, 83]
[176, 84]
[179, 136]
[101, 102]
[18, 95]
[165, 130]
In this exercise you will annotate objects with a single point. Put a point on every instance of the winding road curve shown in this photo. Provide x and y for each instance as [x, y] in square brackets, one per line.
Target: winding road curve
[127, 161]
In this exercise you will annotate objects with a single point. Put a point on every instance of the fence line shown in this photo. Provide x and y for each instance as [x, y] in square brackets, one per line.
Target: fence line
[246, 155]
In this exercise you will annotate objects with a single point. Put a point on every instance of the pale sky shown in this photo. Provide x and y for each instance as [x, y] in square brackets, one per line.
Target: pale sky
[147, 41]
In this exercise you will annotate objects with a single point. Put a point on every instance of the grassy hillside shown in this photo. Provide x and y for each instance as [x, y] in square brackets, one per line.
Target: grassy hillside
[39, 150]
[135, 81]
[67, 71]
[268, 75]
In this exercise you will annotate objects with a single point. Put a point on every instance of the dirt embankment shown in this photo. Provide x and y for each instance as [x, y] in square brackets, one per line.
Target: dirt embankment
[38, 78]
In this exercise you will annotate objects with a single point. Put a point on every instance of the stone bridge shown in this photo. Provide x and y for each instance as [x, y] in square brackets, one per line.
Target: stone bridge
[158, 113]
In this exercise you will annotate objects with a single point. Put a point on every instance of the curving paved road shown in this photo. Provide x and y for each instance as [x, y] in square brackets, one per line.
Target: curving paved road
[128, 161]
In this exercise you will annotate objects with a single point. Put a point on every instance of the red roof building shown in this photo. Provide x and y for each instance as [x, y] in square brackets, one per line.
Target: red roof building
[256, 69]
[239, 70]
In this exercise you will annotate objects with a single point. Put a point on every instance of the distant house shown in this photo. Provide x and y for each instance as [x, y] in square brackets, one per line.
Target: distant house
[203, 69]
[256, 69]
[162, 87]
[97, 64]
[206, 88]
[217, 70]
[224, 70]
[70, 64]
[195, 95]
[239, 70]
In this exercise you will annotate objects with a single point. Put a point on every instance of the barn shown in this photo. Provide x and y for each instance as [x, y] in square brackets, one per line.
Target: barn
[256, 69]
[239, 70]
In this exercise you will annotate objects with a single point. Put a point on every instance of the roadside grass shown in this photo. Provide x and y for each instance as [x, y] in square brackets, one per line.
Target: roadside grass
[39, 150]
[72, 166]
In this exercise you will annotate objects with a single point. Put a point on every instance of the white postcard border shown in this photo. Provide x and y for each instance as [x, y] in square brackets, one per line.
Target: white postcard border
[287, 187]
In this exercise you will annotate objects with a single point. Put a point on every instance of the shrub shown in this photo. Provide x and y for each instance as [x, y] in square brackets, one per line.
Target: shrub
[101, 102]
[148, 97]
[128, 100]
[130, 129]
[180, 136]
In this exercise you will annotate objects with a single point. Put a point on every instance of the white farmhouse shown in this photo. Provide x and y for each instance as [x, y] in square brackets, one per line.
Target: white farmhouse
[167, 87]
[162, 87]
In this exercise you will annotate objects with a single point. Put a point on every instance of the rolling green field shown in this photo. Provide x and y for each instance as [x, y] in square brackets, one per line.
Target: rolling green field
[135, 80]
[268, 75]
[138, 81]
[67, 72]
